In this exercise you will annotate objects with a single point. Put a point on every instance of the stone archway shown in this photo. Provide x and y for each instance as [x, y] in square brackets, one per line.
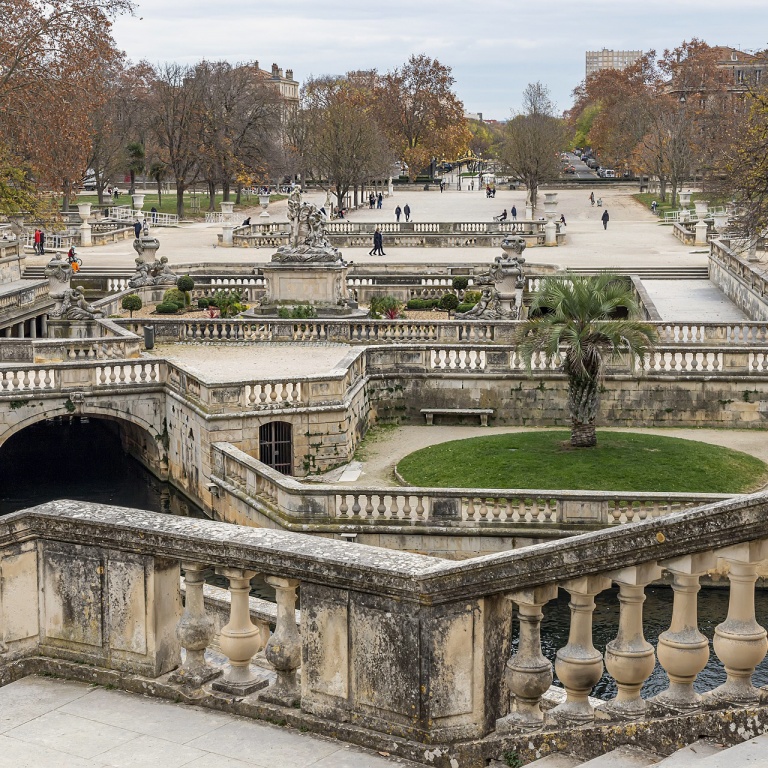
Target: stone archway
[276, 446]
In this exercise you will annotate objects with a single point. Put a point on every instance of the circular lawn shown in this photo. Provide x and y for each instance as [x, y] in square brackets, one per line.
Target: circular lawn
[622, 461]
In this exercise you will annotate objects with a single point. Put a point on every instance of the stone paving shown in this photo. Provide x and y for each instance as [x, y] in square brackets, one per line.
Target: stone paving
[46, 723]
[686, 300]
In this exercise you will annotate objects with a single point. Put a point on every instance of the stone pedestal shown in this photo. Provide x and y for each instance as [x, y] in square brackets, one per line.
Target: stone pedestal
[685, 198]
[227, 228]
[264, 203]
[84, 209]
[227, 211]
[316, 283]
[701, 232]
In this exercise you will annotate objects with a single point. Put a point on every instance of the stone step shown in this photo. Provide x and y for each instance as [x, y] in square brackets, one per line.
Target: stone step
[695, 752]
[749, 754]
[623, 757]
[559, 760]
[653, 273]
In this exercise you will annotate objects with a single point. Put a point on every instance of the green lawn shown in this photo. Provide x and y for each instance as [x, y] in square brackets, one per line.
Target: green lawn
[622, 461]
[646, 198]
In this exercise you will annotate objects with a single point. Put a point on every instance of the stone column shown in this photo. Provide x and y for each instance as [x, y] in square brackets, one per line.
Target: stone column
[84, 209]
[20, 330]
[529, 672]
[227, 239]
[283, 649]
[701, 230]
[740, 642]
[550, 211]
[32, 328]
[629, 658]
[195, 631]
[579, 665]
[239, 639]
[682, 650]
[44, 326]
[227, 210]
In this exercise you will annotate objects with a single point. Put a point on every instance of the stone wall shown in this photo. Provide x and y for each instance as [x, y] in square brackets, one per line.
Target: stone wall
[734, 276]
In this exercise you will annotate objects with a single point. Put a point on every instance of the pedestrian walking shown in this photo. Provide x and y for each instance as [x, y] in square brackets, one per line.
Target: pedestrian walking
[137, 228]
[380, 200]
[41, 248]
[398, 211]
[378, 244]
[153, 211]
[592, 198]
[654, 206]
[371, 201]
[36, 245]
[407, 212]
[513, 213]
[442, 187]
[562, 219]
[605, 218]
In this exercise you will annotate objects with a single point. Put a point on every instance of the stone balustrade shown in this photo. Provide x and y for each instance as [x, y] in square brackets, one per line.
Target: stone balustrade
[396, 651]
[251, 492]
[742, 281]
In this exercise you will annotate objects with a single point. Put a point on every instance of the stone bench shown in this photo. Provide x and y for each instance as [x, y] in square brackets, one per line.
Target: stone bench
[483, 413]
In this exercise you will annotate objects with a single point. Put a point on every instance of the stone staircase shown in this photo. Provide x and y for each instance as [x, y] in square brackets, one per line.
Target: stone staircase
[700, 754]
[652, 273]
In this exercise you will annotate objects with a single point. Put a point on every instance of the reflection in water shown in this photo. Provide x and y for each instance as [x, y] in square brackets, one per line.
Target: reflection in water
[84, 460]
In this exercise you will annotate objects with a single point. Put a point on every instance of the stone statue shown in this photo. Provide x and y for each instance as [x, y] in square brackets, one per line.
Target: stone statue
[74, 307]
[307, 242]
[156, 273]
[146, 243]
[141, 276]
[502, 286]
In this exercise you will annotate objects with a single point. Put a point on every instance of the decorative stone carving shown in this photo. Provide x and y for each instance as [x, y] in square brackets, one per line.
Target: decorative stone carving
[502, 286]
[156, 273]
[59, 273]
[307, 242]
[73, 306]
[146, 245]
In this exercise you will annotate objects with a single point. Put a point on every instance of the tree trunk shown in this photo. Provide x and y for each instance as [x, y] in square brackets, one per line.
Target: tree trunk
[159, 183]
[663, 190]
[132, 190]
[179, 200]
[225, 190]
[211, 196]
[238, 190]
[67, 193]
[583, 402]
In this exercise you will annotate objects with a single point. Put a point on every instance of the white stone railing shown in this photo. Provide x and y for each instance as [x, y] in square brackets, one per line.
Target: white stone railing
[126, 213]
[80, 376]
[393, 648]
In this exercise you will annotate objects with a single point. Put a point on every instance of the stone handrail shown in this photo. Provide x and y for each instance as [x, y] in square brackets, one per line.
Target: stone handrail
[29, 292]
[249, 489]
[395, 649]
[367, 331]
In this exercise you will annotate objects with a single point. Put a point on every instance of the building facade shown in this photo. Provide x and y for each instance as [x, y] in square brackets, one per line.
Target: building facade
[610, 59]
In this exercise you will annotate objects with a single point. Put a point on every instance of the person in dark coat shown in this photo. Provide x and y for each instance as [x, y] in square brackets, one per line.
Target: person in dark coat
[398, 211]
[153, 211]
[407, 212]
[137, 228]
[378, 244]
[605, 218]
[513, 213]
[41, 247]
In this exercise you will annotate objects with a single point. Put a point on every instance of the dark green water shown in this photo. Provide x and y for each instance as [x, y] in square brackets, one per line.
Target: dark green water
[85, 461]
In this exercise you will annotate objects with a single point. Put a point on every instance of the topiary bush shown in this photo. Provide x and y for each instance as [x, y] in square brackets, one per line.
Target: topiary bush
[449, 302]
[185, 283]
[203, 303]
[167, 308]
[460, 283]
[175, 296]
[132, 303]
[471, 297]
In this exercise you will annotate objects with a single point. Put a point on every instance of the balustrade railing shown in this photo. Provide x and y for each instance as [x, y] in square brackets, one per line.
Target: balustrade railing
[126, 213]
[379, 627]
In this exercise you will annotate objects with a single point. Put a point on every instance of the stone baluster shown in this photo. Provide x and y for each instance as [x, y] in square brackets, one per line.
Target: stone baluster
[740, 642]
[629, 658]
[682, 650]
[195, 631]
[579, 665]
[239, 639]
[529, 672]
[283, 649]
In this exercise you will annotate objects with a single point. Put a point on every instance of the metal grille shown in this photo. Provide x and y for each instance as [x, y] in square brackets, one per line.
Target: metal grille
[276, 446]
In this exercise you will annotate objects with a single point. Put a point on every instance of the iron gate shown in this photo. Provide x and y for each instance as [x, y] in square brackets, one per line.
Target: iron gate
[276, 446]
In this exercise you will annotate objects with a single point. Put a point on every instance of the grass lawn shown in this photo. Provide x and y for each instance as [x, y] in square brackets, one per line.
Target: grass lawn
[646, 198]
[622, 461]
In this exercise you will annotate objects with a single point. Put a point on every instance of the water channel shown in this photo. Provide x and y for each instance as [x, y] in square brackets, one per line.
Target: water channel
[84, 460]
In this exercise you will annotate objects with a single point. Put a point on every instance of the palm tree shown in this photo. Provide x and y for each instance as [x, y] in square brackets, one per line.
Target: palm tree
[584, 320]
[136, 155]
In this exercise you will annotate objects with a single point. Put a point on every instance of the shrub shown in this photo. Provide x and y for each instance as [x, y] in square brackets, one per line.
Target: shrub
[417, 304]
[464, 307]
[299, 312]
[167, 308]
[229, 303]
[185, 283]
[203, 303]
[471, 297]
[389, 306]
[175, 296]
[449, 301]
[132, 303]
[460, 283]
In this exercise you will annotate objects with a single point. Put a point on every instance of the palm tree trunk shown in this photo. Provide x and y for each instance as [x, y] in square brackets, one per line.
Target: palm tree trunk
[583, 402]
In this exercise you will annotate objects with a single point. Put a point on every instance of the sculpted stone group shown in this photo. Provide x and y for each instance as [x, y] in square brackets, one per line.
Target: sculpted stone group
[156, 273]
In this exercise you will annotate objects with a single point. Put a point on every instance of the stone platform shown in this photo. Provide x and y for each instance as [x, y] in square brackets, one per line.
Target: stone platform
[49, 723]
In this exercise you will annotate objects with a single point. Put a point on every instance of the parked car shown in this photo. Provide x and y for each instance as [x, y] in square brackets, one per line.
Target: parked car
[593, 164]
[609, 173]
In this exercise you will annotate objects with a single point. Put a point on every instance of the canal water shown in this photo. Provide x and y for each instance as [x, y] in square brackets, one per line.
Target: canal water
[83, 459]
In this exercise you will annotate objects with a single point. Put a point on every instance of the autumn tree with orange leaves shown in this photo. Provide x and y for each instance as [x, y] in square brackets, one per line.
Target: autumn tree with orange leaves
[420, 115]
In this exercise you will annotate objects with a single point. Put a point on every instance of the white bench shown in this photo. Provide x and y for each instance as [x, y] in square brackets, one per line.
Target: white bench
[483, 413]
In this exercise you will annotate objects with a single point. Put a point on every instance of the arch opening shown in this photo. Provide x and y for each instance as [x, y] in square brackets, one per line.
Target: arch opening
[276, 446]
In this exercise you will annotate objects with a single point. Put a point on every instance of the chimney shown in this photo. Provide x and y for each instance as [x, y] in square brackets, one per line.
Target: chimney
[289, 74]
[274, 70]
[256, 64]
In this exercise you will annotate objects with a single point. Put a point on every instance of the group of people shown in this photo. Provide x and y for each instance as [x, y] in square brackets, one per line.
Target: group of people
[490, 190]
[405, 210]
[39, 242]
[503, 215]
[375, 201]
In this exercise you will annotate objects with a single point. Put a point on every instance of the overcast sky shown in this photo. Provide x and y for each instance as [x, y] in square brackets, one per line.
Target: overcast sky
[495, 47]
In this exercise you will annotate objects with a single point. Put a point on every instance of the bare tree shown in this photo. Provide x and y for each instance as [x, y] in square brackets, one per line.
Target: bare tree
[533, 141]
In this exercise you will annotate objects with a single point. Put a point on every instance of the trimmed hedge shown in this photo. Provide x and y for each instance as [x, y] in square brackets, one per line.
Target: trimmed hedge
[167, 308]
